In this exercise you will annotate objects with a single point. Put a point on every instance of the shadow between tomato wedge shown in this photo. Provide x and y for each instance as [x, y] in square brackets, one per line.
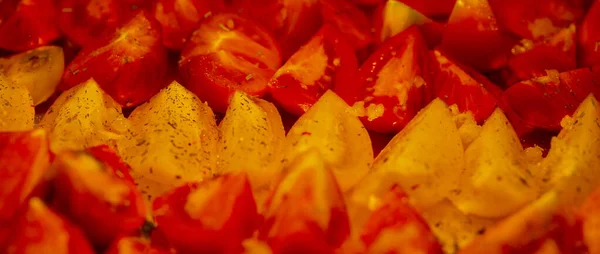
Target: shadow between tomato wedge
[326, 61]
[228, 53]
[214, 216]
[392, 83]
[129, 65]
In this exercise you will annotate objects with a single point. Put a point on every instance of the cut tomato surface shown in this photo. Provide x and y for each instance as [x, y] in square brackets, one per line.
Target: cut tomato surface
[292, 22]
[98, 196]
[454, 85]
[130, 65]
[135, 245]
[24, 159]
[27, 24]
[41, 230]
[305, 212]
[179, 18]
[210, 217]
[325, 62]
[225, 54]
[351, 21]
[392, 83]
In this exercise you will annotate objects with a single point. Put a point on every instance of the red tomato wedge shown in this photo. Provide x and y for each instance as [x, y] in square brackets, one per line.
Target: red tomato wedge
[97, 196]
[27, 24]
[135, 245]
[589, 214]
[394, 17]
[454, 85]
[41, 230]
[24, 159]
[228, 53]
[130, 65]
[472, 36]
[532, 19]
[210, 217]
[326, 61]
[179, 18]
[349, 20]
[589, 37]
[305, 212]
[437, 9]
[531, 59]
[391, 84]
[396, 227]
[292, 21]
[542, 102]
[84, 21]
[368, 2]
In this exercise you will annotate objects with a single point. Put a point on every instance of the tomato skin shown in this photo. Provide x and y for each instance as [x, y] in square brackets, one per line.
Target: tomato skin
[41, 230]
[179, 18]
[292, 22]
[454, 85]
[543, 102]
[24, 159]
[209, 217]
[289, 86]
[472, 37]
[27, 24]
[555, 52]
[351, 21]
[392, 83]
[437, 9]
[589, 38]
[397, 214]
[228, 53]
[130, 65]
[118, 209]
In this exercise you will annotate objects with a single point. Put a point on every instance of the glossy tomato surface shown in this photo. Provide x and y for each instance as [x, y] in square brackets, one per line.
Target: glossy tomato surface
[27, 24]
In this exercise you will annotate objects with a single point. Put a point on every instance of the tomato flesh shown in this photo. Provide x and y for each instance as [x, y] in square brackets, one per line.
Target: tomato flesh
[129, 65]
[326, 61]
[589, 37]
[225, 54]
[392, 83]
[27, 24]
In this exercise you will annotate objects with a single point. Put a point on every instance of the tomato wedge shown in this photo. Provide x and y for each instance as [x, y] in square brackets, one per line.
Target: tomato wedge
[391, 84]
[350, 21]
[542, 102]
[24, 159]
[532, 19]
[325, 62]
[228, 53]
[84, 21]
[454, 85]
[589, 214]
[473, 37]
[99, 196]
[394, 17]
[292, 22]
[27, 24]
[396, 227]
[210, 217]
[135, 245]
[531, 59]
[589, 37]
[179, 18]
[130, 65]
[41, 230]
[305, 212]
